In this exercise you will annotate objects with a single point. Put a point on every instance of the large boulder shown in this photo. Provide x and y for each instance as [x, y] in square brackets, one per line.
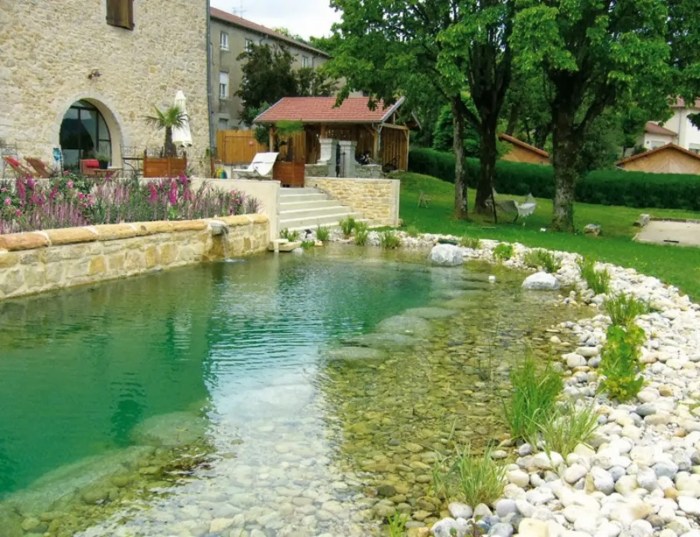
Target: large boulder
[541, 281]
[446, 255]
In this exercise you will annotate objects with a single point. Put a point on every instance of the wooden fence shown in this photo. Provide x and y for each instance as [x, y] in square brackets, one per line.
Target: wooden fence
[237, 147]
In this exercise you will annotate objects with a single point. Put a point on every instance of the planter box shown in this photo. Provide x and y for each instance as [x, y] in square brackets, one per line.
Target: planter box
[289, 173]
[164, 167]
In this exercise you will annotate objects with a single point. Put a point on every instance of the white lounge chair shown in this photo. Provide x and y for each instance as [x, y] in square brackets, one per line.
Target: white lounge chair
[260, 167]
[523, 209]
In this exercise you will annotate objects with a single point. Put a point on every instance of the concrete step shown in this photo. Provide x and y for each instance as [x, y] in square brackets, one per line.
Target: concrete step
[301, 212]
[312, 222]
[308, 208]
[307, 204]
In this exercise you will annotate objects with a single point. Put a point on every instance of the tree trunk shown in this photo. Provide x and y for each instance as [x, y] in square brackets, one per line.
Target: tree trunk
[487, 160]
[566, 148]
[458, 149]
[169, 146]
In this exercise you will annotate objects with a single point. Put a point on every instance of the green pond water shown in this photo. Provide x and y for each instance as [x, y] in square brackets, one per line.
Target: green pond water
[281, 380]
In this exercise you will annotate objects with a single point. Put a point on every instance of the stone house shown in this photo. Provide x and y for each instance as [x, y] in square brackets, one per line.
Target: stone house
[230, 37]
[81, 75]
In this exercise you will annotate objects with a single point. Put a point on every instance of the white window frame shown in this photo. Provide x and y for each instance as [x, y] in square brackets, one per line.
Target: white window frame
[306, 61]
[223, 85]
[223, 40]
[248, 44]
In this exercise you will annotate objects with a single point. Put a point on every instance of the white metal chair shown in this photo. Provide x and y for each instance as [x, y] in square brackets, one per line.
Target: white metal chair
[260, 167]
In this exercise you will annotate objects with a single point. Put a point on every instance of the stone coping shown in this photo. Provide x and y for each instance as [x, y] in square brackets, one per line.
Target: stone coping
[31, 240]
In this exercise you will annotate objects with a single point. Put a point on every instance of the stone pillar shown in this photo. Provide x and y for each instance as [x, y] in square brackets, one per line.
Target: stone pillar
[329, 148]
[347, 158]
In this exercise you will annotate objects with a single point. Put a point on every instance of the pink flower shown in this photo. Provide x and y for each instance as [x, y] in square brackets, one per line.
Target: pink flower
[8, 201]
[69, 184]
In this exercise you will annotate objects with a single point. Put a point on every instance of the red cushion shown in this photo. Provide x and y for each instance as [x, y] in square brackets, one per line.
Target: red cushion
[91, 163]
[12, 161]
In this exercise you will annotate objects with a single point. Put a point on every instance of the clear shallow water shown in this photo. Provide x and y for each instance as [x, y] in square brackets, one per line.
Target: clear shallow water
[296, 443]
[80, 369]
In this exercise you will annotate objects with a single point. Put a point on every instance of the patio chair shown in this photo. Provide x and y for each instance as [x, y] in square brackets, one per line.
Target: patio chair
[524, 209]
[88, 166]
[260, 167]
[19, 169]
[41, 169]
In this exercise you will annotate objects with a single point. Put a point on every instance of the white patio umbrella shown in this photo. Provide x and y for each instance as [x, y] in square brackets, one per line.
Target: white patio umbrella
[182, 135]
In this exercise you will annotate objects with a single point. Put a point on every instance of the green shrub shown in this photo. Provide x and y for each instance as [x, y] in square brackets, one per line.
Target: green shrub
[323, 233]
[503, 251]
[605, 187]
[567, 427]
[307, 245]
[543, 259]
[533, 398]
[361, 233]
[620, 365]
[470, 242]
[389, 239]
[623, 309]
[468, 477]
[347, 225]
[290, 235]
[598, 281]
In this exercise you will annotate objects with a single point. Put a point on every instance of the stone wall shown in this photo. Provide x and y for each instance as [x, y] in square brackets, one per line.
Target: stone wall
[376, 199]
[42, 261]
[50, 48]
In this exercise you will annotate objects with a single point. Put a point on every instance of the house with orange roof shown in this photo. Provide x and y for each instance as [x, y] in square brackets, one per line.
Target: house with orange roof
[520, 151]
[375, 130]
[669, 158]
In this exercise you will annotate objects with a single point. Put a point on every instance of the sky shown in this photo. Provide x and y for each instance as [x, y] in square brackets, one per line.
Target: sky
[301, 17]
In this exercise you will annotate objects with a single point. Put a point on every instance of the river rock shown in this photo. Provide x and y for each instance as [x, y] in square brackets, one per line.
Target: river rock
[172, 430]
[460, 510]
[447, 527]
[355, 353]
[541, 281]
[529, 527]
[405, 324]
[446, 255]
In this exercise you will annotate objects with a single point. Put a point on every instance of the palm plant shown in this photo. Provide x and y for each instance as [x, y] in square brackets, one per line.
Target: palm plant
[168, 119]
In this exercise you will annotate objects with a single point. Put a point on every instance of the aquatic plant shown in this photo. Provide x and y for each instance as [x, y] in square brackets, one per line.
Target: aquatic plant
[533, 397]
[470, 242]
[567, 427]
[389, 240]
[597, 280]
[623, 309]
[323, 233]
[397, 524]
[307, 244]
[503, 251]
[290, 235]
[347, 225]
[542, 259]
[620, 365]
[361, 233]
[472, 478]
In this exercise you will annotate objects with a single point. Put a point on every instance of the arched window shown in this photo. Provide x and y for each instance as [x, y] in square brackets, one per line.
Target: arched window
[84, 134]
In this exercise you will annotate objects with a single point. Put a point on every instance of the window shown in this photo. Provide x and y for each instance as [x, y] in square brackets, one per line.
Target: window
[121, 13]
[84, 134]
[223, 41]
[695, 148]
[248, 44]
[223, 85]
[305, 61]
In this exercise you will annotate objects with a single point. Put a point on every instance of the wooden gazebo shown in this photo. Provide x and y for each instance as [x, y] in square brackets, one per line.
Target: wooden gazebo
[375, 130]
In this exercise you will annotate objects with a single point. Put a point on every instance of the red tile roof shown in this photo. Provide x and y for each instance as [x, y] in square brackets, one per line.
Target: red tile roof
[323, 110]
[667, 147]
[522, 144]
[259, 28]
[653, 128]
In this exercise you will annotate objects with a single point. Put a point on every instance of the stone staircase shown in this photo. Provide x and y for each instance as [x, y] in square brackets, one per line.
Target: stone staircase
[307, 208]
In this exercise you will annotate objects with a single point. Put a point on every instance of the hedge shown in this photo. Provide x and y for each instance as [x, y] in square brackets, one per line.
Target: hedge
[604, 187]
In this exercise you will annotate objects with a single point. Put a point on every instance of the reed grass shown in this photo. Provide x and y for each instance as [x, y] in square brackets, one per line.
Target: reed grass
[469, 477]
[597, 280]
[542, 259]
[566, 428]
[623, 308]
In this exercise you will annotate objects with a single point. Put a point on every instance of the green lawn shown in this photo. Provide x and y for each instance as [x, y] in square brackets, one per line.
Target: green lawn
[679, 266]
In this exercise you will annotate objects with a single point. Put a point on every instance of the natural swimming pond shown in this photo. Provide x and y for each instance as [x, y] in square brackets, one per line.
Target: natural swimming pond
[284, 395]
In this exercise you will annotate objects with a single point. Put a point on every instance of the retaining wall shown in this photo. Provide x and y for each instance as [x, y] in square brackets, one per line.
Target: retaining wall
[376, 199]
[41, 261]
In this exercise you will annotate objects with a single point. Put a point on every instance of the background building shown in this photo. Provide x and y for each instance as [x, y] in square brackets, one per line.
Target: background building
[231, 35]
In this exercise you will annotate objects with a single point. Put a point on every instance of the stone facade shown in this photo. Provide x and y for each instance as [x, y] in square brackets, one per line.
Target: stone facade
[42, 261]
[376, 199]
[57, 53]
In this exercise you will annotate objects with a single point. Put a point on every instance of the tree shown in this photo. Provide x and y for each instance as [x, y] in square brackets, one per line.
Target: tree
[594, 54]
[267, 77]
[168, 119]
[449, 51]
